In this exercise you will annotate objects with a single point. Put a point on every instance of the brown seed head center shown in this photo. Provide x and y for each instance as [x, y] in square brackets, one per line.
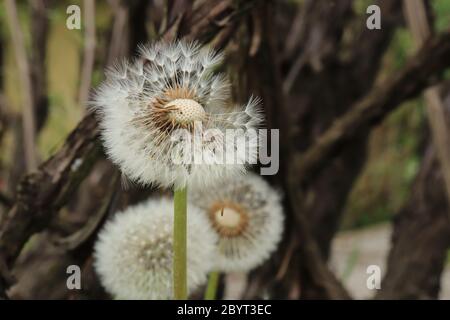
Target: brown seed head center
[185, 111]
[228, 218]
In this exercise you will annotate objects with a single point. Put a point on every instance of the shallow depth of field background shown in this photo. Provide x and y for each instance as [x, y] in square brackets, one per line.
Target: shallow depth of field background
[382, 188]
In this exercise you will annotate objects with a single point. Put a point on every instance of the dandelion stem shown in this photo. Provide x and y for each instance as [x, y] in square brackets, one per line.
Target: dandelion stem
[213, 282]
[180, 244]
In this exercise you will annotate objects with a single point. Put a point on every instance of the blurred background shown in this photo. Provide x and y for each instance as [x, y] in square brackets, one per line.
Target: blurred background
[364, 125]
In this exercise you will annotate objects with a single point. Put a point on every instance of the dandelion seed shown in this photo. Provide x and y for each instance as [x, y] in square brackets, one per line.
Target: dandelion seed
[133, 255]
[247, 216]
[171, 87]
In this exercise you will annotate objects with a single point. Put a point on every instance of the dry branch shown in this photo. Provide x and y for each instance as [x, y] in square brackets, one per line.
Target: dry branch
[323, 96]
[420, 28]
[319, 97]
[39, 23]
[42, 193]
[116, 46]
[422, 227]
[421, 237]
[420, 72]
[89, 51]
[301, 271]
[40, 27]
[326, 18]
[29, 123]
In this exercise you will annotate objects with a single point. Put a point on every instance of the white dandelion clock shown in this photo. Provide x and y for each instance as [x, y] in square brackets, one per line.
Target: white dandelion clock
[247, 216]
[172, 88]
[133, 255]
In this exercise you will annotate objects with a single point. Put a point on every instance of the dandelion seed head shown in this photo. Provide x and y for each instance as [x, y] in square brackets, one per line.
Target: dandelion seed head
[228, 218]
[247, 216]
[172, 86]
[133, 255]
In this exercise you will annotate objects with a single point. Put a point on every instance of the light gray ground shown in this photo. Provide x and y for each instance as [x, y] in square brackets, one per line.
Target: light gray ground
[352, 253]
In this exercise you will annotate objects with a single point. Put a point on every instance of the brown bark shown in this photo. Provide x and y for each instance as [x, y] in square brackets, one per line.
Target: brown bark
[23, 70]
[38, 79]
[40, 27]
[420, 239]
[421, 71]
[421, 229]
[321, 95]
[325, 186]
[308, 274]
[335, 181]
[42, 193]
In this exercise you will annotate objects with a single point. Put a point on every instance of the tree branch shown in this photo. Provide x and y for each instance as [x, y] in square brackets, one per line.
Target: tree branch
[89, 51]
[421, 229]
[421, 71]
[327, 18]
[29, 124]
[420, 238]
[40, 27]
[420, 28]
[117, 38]
[42, 193]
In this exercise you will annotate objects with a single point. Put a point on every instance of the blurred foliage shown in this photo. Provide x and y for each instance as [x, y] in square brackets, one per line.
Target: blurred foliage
[442, 14]
[393, 155]
[64, 52]
[393, 158]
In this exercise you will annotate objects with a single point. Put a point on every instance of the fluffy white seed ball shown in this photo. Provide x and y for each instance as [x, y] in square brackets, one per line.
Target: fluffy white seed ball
[167, 88]
[133, 255]
[247, 216]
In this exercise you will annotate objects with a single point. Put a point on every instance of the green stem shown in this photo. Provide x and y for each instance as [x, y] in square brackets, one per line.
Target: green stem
[213, 282]
[180, 244]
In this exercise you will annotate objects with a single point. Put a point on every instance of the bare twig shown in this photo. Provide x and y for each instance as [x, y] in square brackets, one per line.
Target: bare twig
[89, 51]
[39, 39]
[29, 126]
[319, 44]
[296, 30]
[118, 44]
[420, 28]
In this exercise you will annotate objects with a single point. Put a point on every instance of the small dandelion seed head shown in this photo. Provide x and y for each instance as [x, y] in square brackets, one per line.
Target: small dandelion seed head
[172, 86]
[133, 255]
[247, 216]
[228, 218]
